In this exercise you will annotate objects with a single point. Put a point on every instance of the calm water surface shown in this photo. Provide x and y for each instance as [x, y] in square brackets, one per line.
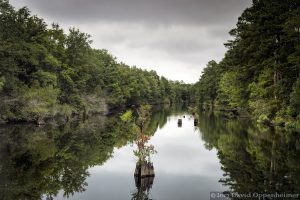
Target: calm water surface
[95, 160]
[184, 168]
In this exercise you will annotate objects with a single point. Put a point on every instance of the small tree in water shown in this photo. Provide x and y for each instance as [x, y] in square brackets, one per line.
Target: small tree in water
[143, 153]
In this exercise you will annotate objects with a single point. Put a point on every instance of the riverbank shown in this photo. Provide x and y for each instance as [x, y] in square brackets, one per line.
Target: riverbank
[287, 123]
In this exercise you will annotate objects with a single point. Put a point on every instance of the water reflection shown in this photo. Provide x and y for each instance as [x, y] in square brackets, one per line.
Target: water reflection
[179, 123]
[254, 159]
[41, 161]
[91, 159]
[143, 186]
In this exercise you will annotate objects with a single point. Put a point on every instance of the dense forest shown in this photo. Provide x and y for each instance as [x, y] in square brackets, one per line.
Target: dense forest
[259, 74]
[47, 73]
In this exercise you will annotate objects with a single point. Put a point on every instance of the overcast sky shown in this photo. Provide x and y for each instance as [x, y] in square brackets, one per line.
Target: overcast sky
[176, 38]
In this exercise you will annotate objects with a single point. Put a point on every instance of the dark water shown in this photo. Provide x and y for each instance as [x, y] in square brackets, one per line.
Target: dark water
[95, 160]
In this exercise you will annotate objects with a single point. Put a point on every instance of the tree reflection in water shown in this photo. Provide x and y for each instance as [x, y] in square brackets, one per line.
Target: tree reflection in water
[36, 162]
[253, 158]
[41, 161]
[143, 186]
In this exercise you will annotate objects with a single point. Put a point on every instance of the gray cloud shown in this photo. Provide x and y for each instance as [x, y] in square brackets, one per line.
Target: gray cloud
[174, 37]
[147, 11]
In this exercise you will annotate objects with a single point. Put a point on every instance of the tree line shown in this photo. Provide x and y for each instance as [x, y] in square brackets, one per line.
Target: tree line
[46, 72]
[259, 73]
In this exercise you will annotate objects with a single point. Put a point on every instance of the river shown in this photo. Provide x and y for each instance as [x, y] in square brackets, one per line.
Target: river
[95, 159]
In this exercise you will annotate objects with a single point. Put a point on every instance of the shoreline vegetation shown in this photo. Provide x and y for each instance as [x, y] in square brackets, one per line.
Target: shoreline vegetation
[259, 75]
[47, 74]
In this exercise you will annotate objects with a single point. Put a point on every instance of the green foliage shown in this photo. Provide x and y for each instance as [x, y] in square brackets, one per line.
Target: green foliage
[40, 100]
[144, 154]
[2, 82]
[38, 61]
[208, 85]
[260, 70]
[144, 113]
[45, 79]
[230, 90]
[127, 116]
[295, 99]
